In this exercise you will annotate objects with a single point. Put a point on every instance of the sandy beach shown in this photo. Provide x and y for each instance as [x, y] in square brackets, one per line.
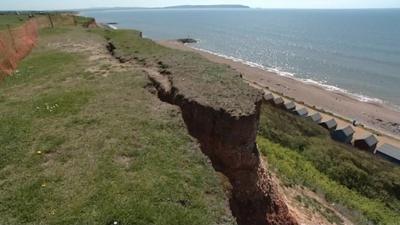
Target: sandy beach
[380, 119]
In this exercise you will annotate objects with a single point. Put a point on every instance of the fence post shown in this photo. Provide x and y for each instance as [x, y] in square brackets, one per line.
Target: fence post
[51, 21]
[75, 22]
[12, 38]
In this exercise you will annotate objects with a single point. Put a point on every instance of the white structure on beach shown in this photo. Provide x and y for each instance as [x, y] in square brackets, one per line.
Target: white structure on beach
[344, 135]
[330, 125]
[303, 112]
[389, 152]
[278, 101]
[268, 97]
[367, 143]
[289, 105]
[316, 117]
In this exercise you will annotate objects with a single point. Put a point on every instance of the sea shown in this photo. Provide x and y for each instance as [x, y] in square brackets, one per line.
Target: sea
[356, 52]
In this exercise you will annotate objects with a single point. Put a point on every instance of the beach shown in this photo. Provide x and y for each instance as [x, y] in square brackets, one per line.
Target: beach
[377, 118]
[121, 114]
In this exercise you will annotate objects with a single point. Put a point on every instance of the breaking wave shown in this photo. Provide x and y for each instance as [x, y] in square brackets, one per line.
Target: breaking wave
[323, 84]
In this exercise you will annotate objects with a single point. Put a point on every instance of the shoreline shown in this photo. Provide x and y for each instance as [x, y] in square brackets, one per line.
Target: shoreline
[327, 87]
[377, 117]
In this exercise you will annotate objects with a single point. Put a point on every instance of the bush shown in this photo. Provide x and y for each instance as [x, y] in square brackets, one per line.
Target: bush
[293, 168]
[370, 177]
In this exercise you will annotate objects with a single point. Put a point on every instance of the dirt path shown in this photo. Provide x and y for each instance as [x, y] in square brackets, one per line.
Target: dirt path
[307, 207]
[101, 62]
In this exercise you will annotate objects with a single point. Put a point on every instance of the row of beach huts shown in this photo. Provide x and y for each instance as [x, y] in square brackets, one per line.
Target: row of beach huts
[344, 135]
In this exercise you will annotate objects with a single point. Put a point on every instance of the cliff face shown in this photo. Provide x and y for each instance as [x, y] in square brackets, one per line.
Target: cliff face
[230, 143]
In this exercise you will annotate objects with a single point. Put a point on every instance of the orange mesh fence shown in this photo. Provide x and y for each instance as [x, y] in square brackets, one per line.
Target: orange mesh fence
[16, 43]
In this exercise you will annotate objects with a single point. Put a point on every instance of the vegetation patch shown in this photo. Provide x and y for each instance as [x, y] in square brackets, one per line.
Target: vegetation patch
[49, 143]
[304, 154]
[41, 67]
[60, 104]
[99, 150]
[12, 20]
[14, 132]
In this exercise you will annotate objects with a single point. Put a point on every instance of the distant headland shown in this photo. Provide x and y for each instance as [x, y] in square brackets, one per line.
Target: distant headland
[207, 7]
[224, 6]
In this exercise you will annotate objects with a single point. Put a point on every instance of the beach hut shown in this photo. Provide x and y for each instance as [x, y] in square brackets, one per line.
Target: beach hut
[316, 117]
[389, 152]
[278, 101]
[367, 143]
[268, 97]
[289, 105]
[344, 135]
[329, 124]
[303, 112]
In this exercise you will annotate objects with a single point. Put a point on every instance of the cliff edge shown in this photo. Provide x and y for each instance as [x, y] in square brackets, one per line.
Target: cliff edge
[222, 113]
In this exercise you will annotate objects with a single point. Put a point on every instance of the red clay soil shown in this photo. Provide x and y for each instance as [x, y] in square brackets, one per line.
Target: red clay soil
[15, 44]
[91, 24]
[230, 143]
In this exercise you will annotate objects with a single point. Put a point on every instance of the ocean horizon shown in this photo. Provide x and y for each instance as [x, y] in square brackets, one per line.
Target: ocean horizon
[355, 52]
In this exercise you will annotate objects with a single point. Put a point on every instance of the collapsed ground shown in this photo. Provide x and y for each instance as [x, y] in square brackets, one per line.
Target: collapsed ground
[84, 140]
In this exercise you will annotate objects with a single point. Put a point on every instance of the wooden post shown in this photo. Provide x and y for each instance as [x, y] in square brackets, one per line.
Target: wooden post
[12, 38]
[75, 22]
[51, 21]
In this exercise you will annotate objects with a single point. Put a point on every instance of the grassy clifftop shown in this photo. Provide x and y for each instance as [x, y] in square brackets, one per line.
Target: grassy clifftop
[11, 20]
[198, 79]
[82, 140]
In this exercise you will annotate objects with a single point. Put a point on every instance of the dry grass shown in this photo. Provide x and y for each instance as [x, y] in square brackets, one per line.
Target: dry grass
[205, 82]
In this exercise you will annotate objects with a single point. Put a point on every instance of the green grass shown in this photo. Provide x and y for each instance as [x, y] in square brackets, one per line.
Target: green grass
[60, 103]
[304, 154]
[197, 78]
[92, 151]
[12, 20]
[41, 67]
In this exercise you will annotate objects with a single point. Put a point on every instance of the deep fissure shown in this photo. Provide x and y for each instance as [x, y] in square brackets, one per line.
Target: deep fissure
[230, 144]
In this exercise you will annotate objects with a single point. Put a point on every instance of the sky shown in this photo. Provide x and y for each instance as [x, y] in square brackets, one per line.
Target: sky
[77, 4]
